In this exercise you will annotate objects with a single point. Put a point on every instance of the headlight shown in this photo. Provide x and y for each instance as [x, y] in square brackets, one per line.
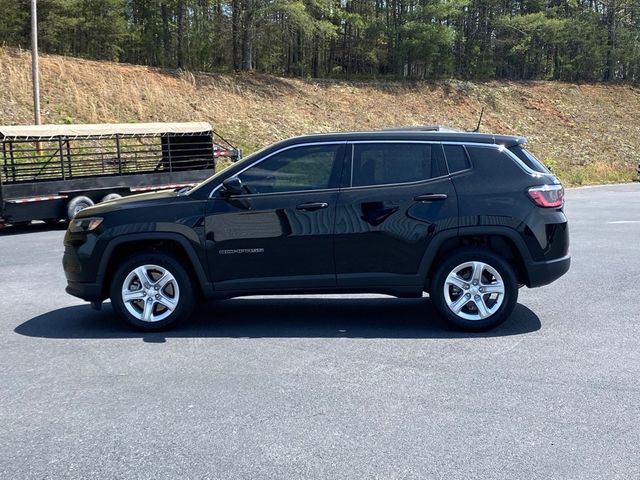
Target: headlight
[84, 224]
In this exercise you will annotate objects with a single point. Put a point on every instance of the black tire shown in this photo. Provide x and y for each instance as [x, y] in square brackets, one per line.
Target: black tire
[76, 204]
[52, 222]
[185, 296]
[110, 196]
[499, 264]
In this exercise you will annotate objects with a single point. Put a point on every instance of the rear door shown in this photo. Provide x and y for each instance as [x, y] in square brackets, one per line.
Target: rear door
[396, 197]
[278, 234]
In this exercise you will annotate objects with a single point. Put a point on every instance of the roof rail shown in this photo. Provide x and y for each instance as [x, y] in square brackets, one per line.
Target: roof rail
[423, 128]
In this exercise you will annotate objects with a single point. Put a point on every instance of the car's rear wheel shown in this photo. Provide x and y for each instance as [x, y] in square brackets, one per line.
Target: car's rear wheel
[475, 289]
[152, 291]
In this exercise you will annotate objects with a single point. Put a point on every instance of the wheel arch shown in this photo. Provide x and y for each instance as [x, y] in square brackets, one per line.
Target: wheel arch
[124, 246]
[503, 241]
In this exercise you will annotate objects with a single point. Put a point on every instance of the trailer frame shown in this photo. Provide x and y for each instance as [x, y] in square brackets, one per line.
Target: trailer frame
[44, 167]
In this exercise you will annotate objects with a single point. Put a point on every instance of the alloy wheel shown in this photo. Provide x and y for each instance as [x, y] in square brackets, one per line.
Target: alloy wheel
[150, 293]
[474, 290]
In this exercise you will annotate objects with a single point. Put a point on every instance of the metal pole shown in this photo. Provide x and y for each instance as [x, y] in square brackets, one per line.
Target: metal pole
[119, 154]
[35, 76]
[61, 157]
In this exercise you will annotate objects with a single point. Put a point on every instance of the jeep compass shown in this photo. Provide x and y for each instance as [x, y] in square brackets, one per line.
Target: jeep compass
[468, 218]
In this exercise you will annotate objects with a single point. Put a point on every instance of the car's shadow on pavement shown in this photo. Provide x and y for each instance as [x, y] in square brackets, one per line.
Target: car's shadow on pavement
[275, 317]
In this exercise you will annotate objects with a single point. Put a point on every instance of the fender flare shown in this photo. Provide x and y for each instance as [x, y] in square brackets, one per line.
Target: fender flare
[438, 240]
[196, 262]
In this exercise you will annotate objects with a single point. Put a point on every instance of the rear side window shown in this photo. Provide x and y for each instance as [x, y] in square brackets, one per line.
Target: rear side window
[529, 159]
[457, 158]
[389, 163]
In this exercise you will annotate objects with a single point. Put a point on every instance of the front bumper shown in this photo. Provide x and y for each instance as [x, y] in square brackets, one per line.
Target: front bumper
[543, 273]
[80, 267]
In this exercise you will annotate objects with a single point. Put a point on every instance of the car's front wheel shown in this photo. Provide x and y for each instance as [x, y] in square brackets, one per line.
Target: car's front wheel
[475, 289]
[152, 291]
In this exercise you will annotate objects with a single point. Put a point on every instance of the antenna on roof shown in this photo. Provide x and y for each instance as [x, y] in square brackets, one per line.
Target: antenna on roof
[479, 120]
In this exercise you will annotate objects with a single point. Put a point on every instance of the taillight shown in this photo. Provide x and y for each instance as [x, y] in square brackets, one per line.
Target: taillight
[548, 196]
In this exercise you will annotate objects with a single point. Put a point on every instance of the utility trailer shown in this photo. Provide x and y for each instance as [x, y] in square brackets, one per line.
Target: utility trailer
[50, 172]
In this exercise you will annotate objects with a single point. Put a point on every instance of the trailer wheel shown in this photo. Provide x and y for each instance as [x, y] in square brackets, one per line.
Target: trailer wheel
[110, 196]
[76, 204]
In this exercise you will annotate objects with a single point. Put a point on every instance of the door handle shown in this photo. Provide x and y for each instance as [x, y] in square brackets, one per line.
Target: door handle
[312, 206]
[431, 197]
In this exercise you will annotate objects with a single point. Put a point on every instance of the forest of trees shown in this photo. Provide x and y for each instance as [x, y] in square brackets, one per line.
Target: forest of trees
[573, 40]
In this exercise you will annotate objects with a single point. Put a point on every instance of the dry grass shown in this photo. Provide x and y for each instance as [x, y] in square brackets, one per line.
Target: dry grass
[587, 133]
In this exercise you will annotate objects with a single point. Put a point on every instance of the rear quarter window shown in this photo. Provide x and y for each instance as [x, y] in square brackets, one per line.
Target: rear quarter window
[528, 159]
[495, 163]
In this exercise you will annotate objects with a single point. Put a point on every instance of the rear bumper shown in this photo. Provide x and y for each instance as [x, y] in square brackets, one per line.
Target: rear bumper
[543, 273]
[91, 292]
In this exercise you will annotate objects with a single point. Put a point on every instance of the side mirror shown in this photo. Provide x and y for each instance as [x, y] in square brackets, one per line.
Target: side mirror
[232, 186]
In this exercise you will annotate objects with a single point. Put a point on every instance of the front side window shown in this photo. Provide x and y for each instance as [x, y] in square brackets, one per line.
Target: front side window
[295, 169]
[389, 163]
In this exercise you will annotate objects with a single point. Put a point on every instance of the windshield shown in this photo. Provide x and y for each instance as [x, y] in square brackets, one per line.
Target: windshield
[529, 159]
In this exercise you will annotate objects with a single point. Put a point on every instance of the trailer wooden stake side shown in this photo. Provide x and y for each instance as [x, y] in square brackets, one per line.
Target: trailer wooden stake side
[49, 172]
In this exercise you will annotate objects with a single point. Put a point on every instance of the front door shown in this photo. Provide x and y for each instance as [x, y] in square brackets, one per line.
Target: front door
[278, 234]
[396, 197]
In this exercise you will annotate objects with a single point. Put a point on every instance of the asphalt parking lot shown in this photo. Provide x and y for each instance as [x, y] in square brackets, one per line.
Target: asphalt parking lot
[332, 387]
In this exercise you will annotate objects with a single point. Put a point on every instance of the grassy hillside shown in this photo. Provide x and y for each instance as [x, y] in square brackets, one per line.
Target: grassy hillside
[586, 133]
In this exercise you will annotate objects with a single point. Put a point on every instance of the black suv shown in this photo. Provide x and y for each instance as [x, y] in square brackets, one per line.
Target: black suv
[465, 217]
